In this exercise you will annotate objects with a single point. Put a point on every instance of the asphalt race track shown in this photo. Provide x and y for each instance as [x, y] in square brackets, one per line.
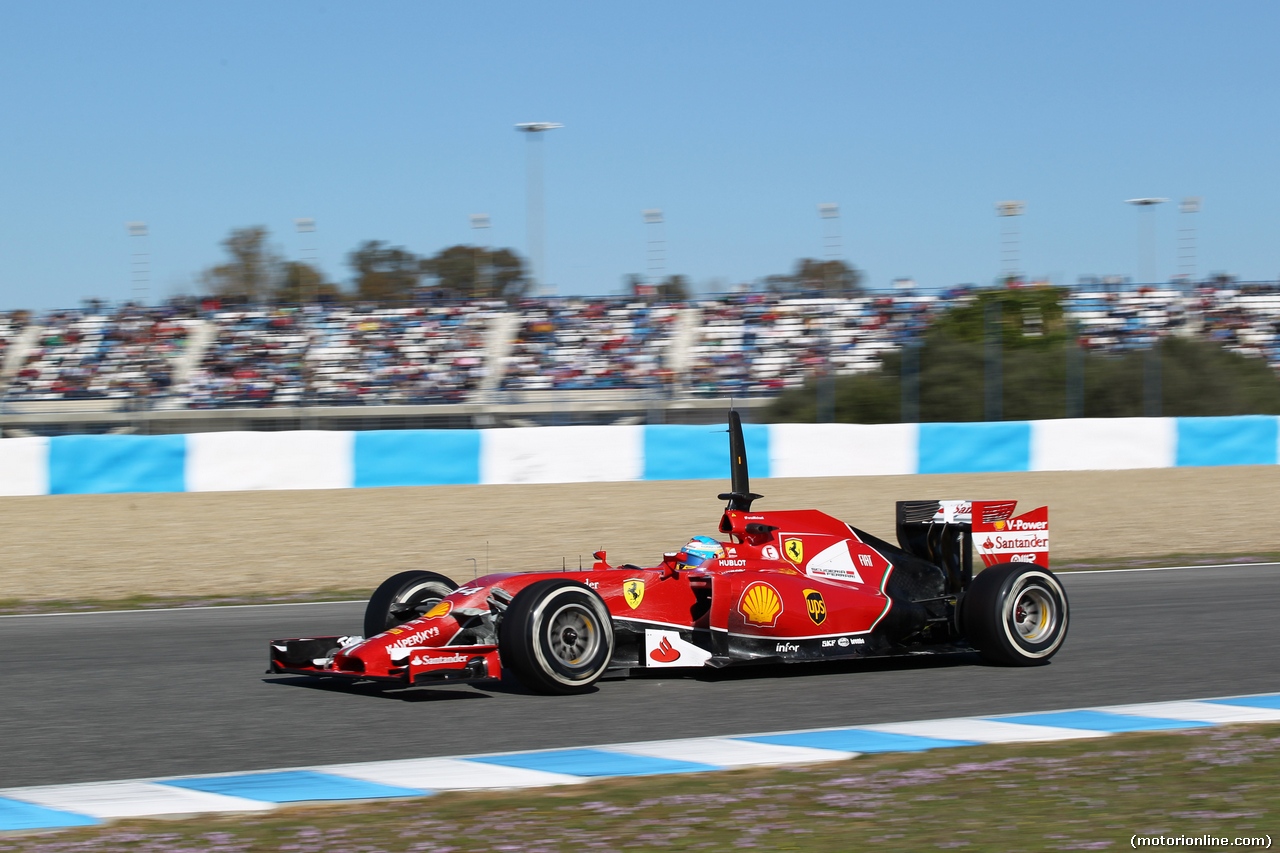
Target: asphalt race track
[125, 695]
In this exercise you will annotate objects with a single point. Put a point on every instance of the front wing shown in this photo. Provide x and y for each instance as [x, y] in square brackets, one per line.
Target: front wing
[323, 657]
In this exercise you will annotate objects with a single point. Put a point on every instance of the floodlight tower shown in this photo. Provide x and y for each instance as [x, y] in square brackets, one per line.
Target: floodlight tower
[653, 221]
[1152, 383]
[483, 273]
[1147, 236]
[831, 244]
[1187, 240]
[1010, 237]
[141, 265]
[307, 226]
[533, 165]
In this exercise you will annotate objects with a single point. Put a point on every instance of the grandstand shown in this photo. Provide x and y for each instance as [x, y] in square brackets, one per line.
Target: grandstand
[343, 356]
[760, 345]
[1244, 319]
[590, 344]
[381, 356]
[11, 328]
[129, 356]
[540, 360]
[253, 358]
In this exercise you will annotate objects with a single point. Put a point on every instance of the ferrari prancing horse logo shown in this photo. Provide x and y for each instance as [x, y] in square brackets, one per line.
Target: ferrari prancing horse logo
[794, 549]
[633, 592]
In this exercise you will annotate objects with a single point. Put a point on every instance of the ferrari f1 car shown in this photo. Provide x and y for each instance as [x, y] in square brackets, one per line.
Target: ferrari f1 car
[781, 586]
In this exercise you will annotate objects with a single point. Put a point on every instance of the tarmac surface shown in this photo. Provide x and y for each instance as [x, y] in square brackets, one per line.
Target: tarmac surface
[103, 696]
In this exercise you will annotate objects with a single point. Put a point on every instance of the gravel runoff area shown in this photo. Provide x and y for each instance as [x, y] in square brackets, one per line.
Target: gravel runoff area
[262, 543]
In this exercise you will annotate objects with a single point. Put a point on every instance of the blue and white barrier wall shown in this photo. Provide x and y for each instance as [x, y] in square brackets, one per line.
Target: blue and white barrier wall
[238, 461]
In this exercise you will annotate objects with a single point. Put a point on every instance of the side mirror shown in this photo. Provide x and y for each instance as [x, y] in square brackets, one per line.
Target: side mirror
[674, 565]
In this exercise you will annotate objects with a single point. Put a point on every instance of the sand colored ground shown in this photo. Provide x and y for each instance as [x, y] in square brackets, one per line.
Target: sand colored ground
[108, 546]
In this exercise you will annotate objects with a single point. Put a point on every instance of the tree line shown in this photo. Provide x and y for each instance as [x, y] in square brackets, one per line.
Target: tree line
[255, 272]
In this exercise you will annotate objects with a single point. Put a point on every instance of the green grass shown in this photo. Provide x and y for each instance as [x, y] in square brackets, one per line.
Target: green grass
[1074, 795]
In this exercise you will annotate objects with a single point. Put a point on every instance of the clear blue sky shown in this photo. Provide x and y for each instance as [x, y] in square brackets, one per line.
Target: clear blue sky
[393, 121]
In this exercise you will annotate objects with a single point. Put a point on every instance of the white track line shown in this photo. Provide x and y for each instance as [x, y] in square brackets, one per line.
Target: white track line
[178, 609]
[1166, 568]
[362, 601]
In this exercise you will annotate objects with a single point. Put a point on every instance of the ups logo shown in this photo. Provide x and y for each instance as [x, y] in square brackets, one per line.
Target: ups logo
[816, 606]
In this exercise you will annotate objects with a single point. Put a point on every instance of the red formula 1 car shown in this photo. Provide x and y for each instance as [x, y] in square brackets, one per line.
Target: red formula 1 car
[782, 586]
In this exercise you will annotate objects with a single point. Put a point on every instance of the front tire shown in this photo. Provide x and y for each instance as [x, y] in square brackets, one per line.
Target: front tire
[557, 637]
[404, 597]
[1016, 614]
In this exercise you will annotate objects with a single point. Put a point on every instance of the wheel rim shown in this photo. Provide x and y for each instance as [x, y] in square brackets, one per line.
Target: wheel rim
[1034, 614]
[415, 601]
[573, 635]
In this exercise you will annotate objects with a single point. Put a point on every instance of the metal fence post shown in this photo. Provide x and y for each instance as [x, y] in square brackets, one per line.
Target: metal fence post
[994, 384]
[1152, 392]
[909, 382]
[1075, 373]
[825, 383]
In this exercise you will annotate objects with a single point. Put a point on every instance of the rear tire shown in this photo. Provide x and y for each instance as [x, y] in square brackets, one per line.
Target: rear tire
[404, 597]
[557, 637]
[1016, 614]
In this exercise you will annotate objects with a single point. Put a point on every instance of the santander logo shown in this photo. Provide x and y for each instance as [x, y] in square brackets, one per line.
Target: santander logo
[665, 653]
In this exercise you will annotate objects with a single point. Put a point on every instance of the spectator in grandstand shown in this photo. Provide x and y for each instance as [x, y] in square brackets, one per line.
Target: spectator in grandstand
[255, 360]
[590, 344]
[125, 355]
[428, 354]
[761, 344]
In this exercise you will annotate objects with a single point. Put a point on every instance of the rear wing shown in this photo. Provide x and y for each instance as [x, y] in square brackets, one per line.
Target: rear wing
[948, 532]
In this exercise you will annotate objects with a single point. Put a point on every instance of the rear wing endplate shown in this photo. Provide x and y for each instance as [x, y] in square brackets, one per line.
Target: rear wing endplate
[946, 533]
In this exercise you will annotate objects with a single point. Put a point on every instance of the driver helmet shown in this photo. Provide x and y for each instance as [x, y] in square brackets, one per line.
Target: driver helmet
[701, 549]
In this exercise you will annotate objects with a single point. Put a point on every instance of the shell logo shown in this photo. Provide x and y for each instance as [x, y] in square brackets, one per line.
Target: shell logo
[1000, 524]
[441, 609]
[760, 604]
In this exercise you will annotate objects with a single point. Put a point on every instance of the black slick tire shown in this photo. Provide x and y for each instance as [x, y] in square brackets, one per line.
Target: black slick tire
[1016, 614]
[404, 597]
[556, 637]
